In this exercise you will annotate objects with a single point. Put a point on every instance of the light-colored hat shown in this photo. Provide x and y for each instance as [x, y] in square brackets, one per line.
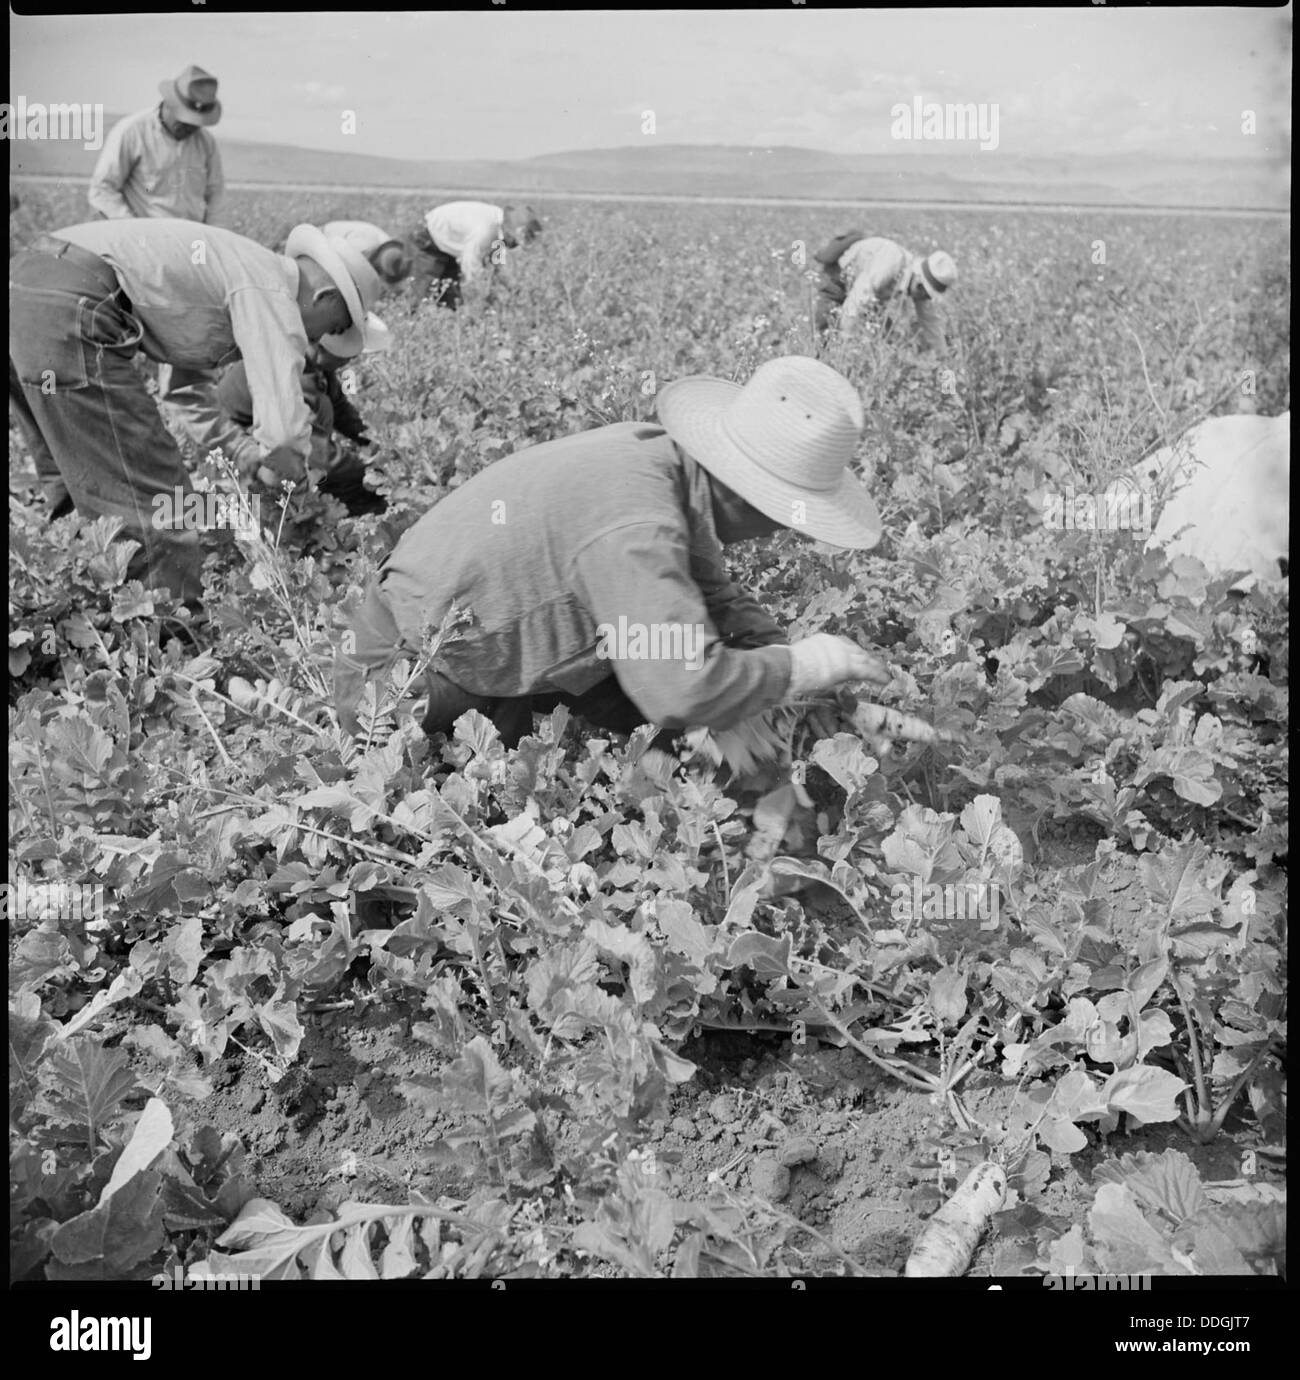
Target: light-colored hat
[937, 273]
[350, 272]
[783, 442]
[378, 337]
[193, 97]
[367, 237]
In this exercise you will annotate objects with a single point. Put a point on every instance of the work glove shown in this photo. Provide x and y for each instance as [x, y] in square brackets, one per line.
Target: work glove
[282, 464]
[823, 661]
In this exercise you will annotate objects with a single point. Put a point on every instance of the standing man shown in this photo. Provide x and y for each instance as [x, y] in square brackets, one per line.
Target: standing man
[626, 613]
[162, 162]
[83, 300]
[857, 270]
[459, 239]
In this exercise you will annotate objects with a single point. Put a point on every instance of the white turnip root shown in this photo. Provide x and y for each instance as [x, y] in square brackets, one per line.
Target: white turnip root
[944, 1248]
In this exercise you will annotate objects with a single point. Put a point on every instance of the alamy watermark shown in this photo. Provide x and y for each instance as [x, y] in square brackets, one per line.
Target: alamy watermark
[1095, 1282]
[946, 901]
[631, 641]
[43, 900]
[202, 510]
[21, 119]
[178, 1278]
[950, 123]
[1117, 510]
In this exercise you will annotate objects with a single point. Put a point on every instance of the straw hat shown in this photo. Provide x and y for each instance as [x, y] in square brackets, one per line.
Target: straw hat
[937, 273]
[350, 273]
[783, 442]
[192, 97]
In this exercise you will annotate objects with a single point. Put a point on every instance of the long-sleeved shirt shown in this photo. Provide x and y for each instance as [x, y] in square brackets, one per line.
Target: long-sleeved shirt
[466, 230]
[610, 527]
[239, 300]
[875, 269]
[143, 171]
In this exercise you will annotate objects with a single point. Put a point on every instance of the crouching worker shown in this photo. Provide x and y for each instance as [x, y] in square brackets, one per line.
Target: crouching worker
[84, 300]
[592, 566]
[325, 385]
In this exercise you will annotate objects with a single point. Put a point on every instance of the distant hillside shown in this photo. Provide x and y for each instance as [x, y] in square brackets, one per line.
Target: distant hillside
[729, 171]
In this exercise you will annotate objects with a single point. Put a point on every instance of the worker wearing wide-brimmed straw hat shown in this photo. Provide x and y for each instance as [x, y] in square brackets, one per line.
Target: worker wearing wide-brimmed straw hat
[328, 389]
[85, 299]
[592, 567]
[858, 271]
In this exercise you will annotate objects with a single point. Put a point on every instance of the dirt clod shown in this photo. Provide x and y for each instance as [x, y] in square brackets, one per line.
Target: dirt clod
[798, 1150]
[769, 1178]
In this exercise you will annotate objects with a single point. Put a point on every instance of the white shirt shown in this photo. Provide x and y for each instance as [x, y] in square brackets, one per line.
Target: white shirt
[143, 171]
[466, 230]
[876, 269]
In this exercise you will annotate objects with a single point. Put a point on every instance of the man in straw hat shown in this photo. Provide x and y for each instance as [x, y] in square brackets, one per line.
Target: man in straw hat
[592, 566]
[857, 270]
[460, 240]
[227, 422]
[85, 299]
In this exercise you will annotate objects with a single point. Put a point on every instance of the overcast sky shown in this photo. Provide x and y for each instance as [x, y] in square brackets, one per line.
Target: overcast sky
[503, 84]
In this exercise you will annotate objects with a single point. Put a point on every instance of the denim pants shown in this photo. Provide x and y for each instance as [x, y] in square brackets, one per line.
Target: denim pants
[72, 336]
[374, 643]
[51, 482]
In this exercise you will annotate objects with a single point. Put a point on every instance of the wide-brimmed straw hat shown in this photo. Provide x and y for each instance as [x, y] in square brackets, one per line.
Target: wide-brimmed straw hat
[193, 97]
[784, 442]
[936, 273]
[350, 272]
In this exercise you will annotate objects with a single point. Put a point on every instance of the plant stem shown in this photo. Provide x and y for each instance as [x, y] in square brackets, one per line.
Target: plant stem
[1204, 1106]
[916, 1078]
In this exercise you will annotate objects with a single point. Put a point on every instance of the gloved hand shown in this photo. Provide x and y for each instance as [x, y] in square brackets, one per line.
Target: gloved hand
[281, 464]
[823, 661]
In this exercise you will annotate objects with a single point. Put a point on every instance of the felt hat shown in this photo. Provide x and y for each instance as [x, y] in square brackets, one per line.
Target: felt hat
[192, 97]
[937, 273]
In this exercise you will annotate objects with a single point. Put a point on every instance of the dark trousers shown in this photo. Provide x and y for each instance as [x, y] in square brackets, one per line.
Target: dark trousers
[331, 412]
[603, 706]
[831, 293]
[48, 477]
[72, 337]
[432, 269]
[374, 642]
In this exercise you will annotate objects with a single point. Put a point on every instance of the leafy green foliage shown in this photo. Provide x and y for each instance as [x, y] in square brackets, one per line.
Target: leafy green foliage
[563, 917]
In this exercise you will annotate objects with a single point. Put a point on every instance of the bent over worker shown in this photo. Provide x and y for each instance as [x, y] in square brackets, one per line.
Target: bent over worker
[857, 271]
[577, 558]
[461, 240]
[84, 300]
